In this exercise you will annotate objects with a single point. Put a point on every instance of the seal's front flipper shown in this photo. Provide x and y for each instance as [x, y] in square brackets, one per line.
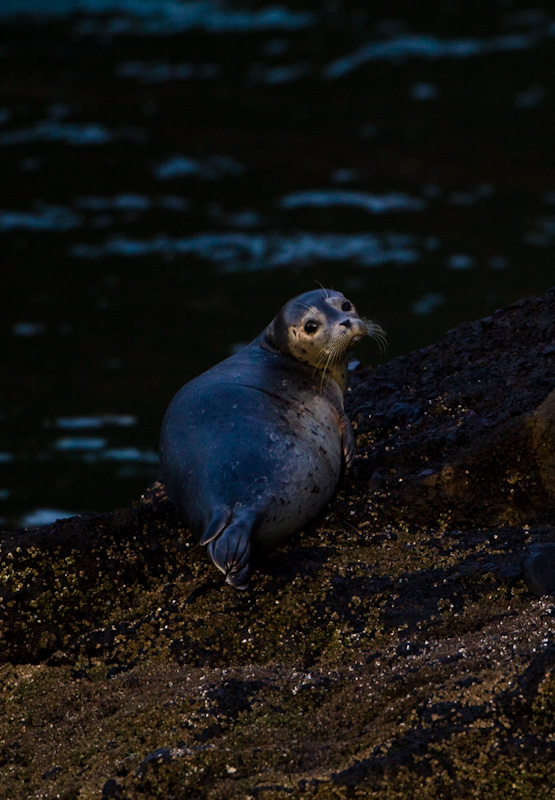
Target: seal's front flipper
[348, 441]
[231, 550]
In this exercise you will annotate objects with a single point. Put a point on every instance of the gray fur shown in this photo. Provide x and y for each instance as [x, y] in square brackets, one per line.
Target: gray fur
[253, 449]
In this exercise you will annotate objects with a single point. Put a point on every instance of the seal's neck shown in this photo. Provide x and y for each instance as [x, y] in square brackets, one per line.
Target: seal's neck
[339, 374]
[273, 343]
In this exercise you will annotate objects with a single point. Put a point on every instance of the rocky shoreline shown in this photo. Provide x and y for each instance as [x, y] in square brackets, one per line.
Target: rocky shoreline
[400, 647]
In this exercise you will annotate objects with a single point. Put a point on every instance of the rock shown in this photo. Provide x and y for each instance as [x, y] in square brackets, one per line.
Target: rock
[390, 650]
[161, 756]
[51, 773]
[543, 437]
[488, 459]
[111, 790]
[538, 566]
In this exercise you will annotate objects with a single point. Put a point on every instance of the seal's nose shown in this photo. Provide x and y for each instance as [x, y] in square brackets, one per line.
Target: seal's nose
[346, 323]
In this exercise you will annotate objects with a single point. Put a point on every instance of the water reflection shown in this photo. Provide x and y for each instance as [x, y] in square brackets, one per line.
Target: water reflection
[172, 172]
[374, 204]
[236, 252]
[411, 45]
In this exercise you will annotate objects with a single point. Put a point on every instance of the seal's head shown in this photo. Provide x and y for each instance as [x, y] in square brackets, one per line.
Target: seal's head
[318, 328]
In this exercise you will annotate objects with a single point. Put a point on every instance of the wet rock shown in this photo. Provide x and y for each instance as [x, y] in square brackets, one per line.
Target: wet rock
[161, 756]
[111, 790]
[538, 565]
[52, 773]
[402, 413]
[392, 637]
[543, 437]
[484, 450]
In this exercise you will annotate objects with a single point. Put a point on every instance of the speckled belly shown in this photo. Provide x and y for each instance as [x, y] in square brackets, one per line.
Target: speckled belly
[305, 474]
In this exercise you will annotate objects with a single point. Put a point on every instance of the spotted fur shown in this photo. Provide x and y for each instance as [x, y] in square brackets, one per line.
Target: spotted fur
[253, 449]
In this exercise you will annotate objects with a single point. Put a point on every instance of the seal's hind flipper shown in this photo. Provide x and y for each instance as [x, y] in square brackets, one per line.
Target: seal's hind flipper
[231, 552]
[220, 518]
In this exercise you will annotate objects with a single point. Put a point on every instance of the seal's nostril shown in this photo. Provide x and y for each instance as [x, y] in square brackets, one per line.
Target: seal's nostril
[346, 323]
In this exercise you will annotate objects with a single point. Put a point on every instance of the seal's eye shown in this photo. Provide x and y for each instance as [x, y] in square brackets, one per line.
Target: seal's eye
[346, 306]
[311, 326]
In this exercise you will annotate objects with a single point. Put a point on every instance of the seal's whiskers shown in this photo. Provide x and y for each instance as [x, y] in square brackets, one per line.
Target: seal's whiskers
[376, 333]
[329, 358]
[255, 473]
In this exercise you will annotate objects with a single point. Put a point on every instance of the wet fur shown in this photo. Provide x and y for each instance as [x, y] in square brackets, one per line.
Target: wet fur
[253, 449]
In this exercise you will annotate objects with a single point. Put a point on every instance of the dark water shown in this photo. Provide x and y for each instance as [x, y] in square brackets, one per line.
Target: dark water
[171, 173]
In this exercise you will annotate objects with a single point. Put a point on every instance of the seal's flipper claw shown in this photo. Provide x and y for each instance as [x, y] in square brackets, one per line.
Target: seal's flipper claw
[231, 552]
[220, 519]
[239, 579]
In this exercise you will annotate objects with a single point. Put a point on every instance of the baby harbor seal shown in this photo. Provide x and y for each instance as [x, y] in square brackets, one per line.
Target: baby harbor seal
[252, 449]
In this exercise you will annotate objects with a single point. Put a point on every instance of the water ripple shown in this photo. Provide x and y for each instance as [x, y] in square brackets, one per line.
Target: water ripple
[159, 17]
[432, 47]
[236, 251]
[79, 134]
[91, 423]
[375, 204]
[212, 168]
[162, 71]
[46, 218]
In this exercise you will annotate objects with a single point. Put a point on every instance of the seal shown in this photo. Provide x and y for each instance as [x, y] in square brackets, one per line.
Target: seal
[254, 448]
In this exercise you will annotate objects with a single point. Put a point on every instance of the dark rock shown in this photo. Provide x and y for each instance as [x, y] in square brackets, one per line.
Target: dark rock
[161, 756]
[538, 565]
[51, 774]
[401, 413]
[390, 650]
[111, 790]
[511, 570]
[490, 422]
